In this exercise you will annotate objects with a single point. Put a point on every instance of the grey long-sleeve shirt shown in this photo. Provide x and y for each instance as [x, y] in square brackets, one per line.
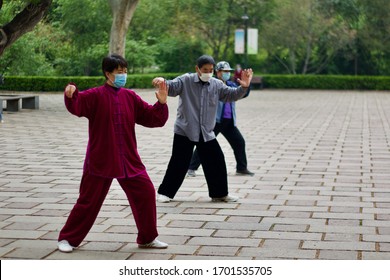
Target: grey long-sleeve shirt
[198, 102]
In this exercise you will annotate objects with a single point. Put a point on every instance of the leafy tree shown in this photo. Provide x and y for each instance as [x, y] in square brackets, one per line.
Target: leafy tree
[165, 28]
[302, 38]
[24, 59]
[139, 55]
[374, 36]
[34, 52]
[86, 25]
[178, 54]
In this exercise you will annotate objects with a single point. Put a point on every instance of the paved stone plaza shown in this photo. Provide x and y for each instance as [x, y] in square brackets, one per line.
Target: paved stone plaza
[321, 189]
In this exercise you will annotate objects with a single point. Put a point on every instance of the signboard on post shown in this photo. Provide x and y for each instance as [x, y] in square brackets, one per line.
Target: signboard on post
[252, 41]
[239, 41]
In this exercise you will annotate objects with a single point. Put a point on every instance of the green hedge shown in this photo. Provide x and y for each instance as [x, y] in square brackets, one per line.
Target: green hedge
[145, 81]
[326, 82]
[35, 83]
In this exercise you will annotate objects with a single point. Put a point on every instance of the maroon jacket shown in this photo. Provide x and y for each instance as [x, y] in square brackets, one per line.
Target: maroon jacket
[112, 114]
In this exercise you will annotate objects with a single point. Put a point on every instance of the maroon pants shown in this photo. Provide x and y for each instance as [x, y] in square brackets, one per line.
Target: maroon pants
[140, 193]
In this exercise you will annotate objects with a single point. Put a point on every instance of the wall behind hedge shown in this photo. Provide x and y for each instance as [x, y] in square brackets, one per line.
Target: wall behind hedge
[145, 81]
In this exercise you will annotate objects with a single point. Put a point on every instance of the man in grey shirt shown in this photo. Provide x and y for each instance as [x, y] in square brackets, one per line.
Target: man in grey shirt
[199, 94]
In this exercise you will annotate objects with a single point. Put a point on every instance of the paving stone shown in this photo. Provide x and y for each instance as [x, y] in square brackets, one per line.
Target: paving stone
[336, 245]
[341, 237]
[215, 241]
[232, 233]
[102, 246]
[376, 256]
[172, 249]
[111, 237]
[356, 216]
[150, 256]
[287, 235]
[22, 234]
[281, 243]
[4, 251]
[338, 255]
[376, 238]
[290, 228]
[293, 221]
[277, 253]
[30, 253]
[185, 224]
[23, 226]
[88, 255]
[186, 231]
[189, 217]
[218, 251]
[238, 212]
[237, 226]
[34, 244]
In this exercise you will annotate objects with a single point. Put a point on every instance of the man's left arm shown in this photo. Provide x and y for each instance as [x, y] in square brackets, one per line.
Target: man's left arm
[234, 85]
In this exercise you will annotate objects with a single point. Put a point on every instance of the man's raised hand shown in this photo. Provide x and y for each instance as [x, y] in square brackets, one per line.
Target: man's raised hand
[162, 91]
[69, 90]
[246, 77]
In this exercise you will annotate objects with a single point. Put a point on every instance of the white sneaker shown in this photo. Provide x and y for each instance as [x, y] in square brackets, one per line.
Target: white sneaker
[191, 173]
[228, 198]
[155, 244]
[163, 198]
[64, 246]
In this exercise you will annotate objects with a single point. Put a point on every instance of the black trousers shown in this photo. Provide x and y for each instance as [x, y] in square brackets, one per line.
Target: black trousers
[213, 162]
[236, 141]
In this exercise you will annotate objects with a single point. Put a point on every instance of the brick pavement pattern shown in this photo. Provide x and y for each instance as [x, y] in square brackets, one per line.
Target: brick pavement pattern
[321, 189]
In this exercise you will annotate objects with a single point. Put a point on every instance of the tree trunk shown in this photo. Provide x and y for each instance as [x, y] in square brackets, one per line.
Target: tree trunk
[122, 13]
[22, 23]
[308, 55]
[292, 59]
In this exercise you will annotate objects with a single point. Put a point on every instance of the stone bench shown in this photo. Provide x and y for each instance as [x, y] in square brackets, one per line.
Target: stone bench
[12, 102]
[257, 82]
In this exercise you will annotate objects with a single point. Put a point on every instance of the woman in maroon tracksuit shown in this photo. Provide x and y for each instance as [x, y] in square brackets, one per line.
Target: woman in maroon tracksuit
[112, 112]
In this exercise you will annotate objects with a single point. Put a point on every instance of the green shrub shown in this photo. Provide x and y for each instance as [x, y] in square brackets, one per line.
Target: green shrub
[35, 83]
[326, 82]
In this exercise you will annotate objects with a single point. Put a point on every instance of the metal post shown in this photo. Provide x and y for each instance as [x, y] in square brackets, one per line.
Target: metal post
[245, 17]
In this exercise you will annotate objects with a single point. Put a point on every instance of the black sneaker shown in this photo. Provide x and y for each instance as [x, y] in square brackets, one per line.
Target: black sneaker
[244, 172]
[228, 198]
[191, 173]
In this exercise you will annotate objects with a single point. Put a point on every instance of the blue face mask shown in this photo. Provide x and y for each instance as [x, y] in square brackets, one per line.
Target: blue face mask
[225, 76]
[120, 80]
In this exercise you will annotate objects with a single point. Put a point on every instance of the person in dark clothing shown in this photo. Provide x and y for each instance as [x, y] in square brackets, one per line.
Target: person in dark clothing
[199, 94]
[226, 124]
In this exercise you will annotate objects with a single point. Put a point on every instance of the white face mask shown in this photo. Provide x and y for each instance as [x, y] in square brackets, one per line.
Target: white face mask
[205, 77]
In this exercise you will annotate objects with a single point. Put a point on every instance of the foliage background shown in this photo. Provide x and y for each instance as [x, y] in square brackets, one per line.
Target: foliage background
[348, 37]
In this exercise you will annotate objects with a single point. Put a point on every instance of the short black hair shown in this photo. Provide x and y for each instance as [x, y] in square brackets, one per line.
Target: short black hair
[205, 59]
[112, 62]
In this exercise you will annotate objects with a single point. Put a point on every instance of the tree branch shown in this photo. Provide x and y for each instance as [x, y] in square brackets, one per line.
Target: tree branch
[281, 62]
[22, 23]
[3, 37]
